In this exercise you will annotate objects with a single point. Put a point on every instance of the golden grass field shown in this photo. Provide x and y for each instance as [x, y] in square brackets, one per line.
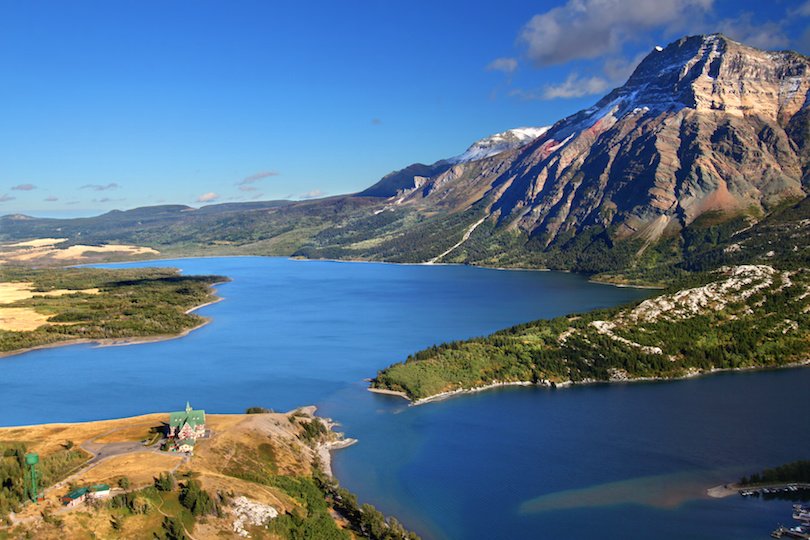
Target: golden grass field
[47, 251]
[139, 467]
[240, 444]
[48, 438]
[23, 319]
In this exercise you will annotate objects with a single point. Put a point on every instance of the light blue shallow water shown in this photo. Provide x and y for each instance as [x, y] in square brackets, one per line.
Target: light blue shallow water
[602, 461]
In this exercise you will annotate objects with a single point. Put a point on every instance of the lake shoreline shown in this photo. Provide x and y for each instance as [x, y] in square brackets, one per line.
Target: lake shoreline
[566, 384]
[366, 261]
[727, 490]
[117, 448]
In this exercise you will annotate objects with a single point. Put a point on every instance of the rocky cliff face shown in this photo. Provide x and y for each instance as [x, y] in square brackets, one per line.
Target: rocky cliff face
[705, 124]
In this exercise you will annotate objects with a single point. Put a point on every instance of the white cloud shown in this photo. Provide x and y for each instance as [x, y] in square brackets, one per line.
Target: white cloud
[574, 86]
[802, 11]
[5, 198]
[105, 200]
[208, 197]
[507, 65]
[247, 184]
[50, 198]
[618, 69]
[586, 29]
[24, 187]
[253, 178]
[760, 34]
[804, 42]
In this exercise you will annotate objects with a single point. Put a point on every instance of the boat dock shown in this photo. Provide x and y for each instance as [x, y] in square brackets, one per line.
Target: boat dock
[773, 489]
[802, 531]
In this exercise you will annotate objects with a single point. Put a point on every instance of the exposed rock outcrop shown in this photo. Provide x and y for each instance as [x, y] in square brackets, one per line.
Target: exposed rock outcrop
[705, 124]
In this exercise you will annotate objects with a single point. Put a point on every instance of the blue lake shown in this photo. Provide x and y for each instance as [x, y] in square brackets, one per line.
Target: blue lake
[614, 461]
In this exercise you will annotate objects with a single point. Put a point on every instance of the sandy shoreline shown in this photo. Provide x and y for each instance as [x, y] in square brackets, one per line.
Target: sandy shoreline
[325, 452]
[727, 490]
[388, 392]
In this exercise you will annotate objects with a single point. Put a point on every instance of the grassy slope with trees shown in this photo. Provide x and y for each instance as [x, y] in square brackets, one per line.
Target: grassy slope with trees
[131, 303]
[177, 505]
[770, 328]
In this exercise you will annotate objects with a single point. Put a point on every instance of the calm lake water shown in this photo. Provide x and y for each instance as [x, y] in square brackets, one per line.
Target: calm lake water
[608, 461]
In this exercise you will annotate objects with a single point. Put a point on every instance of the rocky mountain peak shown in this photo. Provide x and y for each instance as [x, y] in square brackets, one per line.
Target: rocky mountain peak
[705, 124]
[715, 73]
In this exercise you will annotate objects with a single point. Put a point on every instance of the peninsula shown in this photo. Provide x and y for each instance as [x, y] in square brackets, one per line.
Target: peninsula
[257, 475]
[739, 317]
[49, 307]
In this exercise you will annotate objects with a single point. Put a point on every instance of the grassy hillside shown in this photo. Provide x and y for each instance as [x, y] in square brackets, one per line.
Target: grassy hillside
[258, 473]
[47, 306]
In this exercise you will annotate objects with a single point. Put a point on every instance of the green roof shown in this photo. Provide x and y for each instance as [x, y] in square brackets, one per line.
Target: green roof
[190, 416]
[76, 493]
[100, 487]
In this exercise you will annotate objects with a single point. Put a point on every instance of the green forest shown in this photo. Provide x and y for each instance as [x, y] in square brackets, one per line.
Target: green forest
[130, 303]
[796, 471]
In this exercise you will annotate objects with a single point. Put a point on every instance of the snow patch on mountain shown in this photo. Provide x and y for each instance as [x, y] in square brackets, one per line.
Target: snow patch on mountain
[500, 142]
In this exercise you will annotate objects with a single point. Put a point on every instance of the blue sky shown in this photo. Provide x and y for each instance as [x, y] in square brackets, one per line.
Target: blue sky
[122, 104]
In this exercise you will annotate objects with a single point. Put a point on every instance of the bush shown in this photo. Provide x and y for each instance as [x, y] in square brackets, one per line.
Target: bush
[165, 482]
[257, 410]
[197, 500]
[173, 529]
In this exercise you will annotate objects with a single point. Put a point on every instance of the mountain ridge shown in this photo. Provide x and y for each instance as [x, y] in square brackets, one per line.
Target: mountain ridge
[412, 176]
[707, 135]
[677, 130]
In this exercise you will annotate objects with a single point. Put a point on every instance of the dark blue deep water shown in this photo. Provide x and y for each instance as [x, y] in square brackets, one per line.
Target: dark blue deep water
[606, 461]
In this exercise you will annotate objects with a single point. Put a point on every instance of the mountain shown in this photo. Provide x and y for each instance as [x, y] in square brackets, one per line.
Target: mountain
[498, 143]
[413, 176]
[706, 124]
[705, 131]
[707, 137]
